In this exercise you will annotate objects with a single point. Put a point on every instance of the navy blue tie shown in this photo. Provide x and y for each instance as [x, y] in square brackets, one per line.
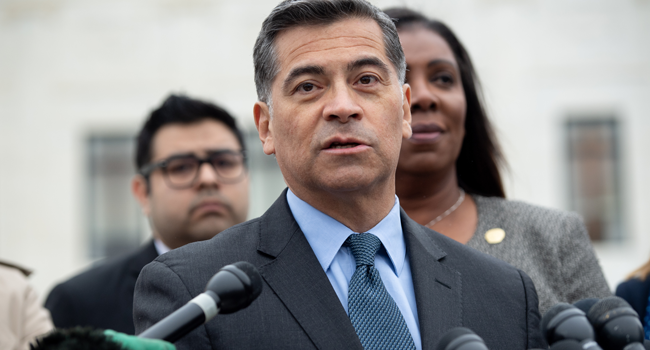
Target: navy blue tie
[373, 312]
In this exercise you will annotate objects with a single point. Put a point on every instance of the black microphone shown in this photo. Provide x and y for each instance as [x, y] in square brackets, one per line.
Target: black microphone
[566, 322]
[567, 344]
[586, 304]
[461, 338]
[634, 346]
[572, 344]
[616, 324]
[233, 288]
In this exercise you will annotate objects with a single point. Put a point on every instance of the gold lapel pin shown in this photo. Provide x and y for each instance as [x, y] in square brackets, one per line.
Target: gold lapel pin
[495, 235]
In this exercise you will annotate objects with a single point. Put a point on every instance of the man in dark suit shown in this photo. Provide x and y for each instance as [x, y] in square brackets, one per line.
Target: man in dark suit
[184, 200]
[342, 266]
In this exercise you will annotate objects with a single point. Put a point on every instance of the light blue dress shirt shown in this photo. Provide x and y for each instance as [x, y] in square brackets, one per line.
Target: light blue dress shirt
[326, 237]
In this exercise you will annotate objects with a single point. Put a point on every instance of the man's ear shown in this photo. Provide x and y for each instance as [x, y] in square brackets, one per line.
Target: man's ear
[406, 106]
[264, 126]
[140, 190]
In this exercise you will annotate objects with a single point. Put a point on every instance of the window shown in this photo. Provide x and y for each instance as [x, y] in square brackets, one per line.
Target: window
[594, 179]
[114, 220]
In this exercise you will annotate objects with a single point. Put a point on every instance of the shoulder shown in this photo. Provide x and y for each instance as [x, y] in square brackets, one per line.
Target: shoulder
[12, 279]
[633, 286]
[233, 242]
[106, 275]
[635, 291]
[7, 266]
[464, 259]
[198, 261]
[530, 222]
[521, 211]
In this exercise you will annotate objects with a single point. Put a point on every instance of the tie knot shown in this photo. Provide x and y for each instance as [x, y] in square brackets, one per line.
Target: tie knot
[364, 247]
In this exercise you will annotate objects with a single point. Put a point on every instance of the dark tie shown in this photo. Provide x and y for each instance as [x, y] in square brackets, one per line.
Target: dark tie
[373, 312]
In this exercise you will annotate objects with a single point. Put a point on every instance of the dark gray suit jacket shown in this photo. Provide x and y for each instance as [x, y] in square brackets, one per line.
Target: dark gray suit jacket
[101, 297]
[298, 308]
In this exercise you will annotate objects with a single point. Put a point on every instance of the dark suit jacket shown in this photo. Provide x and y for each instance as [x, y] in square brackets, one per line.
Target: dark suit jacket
[635, 292]
[298, 308]
[101, 297]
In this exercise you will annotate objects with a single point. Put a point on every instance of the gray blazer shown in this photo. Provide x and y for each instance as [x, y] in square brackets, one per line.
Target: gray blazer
[551, 246]
[298, 308]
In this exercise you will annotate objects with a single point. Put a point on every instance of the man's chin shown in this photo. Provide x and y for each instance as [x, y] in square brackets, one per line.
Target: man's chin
[348, 183]
[209, 227]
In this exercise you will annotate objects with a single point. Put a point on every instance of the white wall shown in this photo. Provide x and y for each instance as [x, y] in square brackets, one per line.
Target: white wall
[68, 67]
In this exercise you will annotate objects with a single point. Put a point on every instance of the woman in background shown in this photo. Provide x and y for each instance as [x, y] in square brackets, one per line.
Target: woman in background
[22, 317]
[448, 173]
[636, 291]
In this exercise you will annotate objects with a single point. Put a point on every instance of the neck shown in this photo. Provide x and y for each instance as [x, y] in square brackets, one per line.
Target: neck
[425, 196]
[359, 210]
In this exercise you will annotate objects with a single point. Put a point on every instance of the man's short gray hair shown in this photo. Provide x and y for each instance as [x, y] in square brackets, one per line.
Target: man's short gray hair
[294, 13]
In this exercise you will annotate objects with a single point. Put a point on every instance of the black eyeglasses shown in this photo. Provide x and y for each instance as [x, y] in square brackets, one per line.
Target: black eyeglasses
[183, 170]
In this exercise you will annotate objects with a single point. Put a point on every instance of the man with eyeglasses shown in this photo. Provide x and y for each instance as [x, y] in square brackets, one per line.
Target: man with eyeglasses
[192, 183]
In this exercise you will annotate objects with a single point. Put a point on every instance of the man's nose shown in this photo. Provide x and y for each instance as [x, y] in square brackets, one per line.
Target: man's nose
[423, 96]
[341, 105]
[207, 176]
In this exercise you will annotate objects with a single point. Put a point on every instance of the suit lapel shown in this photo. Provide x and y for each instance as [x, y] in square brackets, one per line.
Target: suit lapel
[298, 279]
[437, 287]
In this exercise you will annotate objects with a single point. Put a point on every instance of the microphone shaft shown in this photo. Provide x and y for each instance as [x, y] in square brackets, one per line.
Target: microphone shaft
[177, 324]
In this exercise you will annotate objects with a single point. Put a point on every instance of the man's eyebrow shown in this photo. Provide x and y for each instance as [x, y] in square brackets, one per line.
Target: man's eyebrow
[209, 151]
[175, 156]
[369, 61]
[298, 71]
[222, 150]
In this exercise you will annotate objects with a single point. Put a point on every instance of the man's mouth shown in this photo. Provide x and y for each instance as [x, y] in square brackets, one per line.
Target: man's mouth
[209, 206]
[337, 145]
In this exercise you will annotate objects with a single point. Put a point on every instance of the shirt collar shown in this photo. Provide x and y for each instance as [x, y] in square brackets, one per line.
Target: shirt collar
[326, 235]
[161, 247]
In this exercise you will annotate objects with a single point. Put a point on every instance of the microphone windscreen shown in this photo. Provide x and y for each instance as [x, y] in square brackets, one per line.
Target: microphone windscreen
[586, 304]
[236, 285]
[251, 272]
[451, 335]
[603, 306]
[567, 344]
[551, 313]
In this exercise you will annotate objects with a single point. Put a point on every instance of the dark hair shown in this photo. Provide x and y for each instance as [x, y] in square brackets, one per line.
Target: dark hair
[477, 166]
[293, 13]
[77, 338]
[179, 109]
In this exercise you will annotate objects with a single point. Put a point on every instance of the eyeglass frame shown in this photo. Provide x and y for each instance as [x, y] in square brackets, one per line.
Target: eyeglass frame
[146, 170]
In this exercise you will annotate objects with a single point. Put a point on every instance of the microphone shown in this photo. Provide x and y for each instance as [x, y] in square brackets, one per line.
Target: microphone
[233, 288]
[566, 322]
[586, 304]
[461, 338]
[572, 344]
[616, 324]
[634, 346]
